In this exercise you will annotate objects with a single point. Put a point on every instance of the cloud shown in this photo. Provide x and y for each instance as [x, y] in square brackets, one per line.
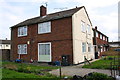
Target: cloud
[102, 13]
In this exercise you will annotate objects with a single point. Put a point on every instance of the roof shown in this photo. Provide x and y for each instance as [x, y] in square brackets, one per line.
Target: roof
[48, 17]
[99, 32]
[5, 41]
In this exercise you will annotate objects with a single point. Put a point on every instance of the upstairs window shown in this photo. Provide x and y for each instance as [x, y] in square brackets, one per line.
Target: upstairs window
[96, 34]
[22, 49]
[88, 29]
[83, 47]
[83, 26]
[103, 37]
[106, 39]
[44, 27]
[100, 36]
[22, 31]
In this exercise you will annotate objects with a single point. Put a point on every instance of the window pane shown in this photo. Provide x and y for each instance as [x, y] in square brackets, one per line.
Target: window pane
[89, 47]
[47, 49]
[96, 34]
[22, 31]
[83, 47]
[44, 49]
[44, 27]
[22, 49]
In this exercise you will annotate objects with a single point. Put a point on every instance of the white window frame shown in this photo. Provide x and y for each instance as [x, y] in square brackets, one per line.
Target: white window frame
[83, 47]
[89, 47]
[103, 37]
[22, 31]
[106, 38]
[97, 34]
[44, 27]
[100, 36]
[88, 29]
[50, 49]
[83, 28]
[22, 48]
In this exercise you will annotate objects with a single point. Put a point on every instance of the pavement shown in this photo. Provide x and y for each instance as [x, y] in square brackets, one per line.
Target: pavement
[78, 70]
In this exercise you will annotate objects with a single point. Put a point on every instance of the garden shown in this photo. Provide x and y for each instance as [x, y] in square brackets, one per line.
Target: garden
[25, 70]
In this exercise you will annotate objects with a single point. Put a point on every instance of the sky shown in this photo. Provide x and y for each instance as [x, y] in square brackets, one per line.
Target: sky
[102, 13]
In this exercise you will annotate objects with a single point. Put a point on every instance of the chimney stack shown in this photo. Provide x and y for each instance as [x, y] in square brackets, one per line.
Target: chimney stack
[43, 11]
[96, 27]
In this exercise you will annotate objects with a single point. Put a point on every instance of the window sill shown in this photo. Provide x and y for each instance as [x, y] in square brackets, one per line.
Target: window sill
[21, 54]
[45, 33]
[22, 36]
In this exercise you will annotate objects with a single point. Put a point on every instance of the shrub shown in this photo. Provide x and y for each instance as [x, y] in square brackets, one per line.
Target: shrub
[25, 70]
[97, 76]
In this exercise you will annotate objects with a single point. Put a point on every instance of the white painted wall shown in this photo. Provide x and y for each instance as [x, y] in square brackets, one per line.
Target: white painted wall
[4, 46]
[79, 37]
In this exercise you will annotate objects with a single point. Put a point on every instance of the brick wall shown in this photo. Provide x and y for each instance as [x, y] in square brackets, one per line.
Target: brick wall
[60, 38]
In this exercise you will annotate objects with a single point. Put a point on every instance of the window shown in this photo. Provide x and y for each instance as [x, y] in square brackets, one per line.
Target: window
[44, 48]
[44, 27]
[96, 34]
[103, 37]
[89, 47]
[83, 26]
[22, 49]
[106, 39]
[88, 29]
[100, 36]
[22, 31]
[83, 47]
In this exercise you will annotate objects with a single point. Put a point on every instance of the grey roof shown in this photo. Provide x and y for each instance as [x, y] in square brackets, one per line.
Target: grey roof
[48, 17]
[5, 41]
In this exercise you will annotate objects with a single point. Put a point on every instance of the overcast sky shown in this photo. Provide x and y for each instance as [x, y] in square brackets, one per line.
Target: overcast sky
[102, 13]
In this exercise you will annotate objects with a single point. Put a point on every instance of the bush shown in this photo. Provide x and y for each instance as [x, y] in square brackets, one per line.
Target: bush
[97, 76]
[26, 70]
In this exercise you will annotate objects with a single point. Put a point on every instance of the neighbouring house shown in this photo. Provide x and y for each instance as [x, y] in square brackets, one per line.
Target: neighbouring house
[5, 46]
[114, 44]
[64, 36]
[100, 42]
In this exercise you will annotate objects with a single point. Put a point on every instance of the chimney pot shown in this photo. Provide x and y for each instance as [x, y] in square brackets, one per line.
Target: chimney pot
[96, 27]
[43, 11]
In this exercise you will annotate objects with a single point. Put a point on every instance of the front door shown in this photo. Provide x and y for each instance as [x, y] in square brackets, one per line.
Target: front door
[44, 52]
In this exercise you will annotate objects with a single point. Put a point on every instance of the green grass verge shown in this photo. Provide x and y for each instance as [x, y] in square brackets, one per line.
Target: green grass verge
[23, 70]
[103, 63]
[13, 74]
[30, 66]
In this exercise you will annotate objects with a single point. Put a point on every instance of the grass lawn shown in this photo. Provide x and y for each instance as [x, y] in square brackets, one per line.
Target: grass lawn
[103, 63]
[6, 73]
[23, 70]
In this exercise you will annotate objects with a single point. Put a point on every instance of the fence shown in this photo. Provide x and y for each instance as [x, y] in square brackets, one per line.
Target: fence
[115, 67]
[5, 54]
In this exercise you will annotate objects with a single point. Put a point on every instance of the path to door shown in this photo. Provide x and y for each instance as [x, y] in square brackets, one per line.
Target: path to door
[77, 70]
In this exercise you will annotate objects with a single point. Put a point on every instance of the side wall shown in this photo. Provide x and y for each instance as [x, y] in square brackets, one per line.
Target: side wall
[60, 38]
[79, 37]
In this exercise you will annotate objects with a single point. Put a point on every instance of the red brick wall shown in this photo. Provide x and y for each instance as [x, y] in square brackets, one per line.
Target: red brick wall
[60, 38]
[100, 41]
